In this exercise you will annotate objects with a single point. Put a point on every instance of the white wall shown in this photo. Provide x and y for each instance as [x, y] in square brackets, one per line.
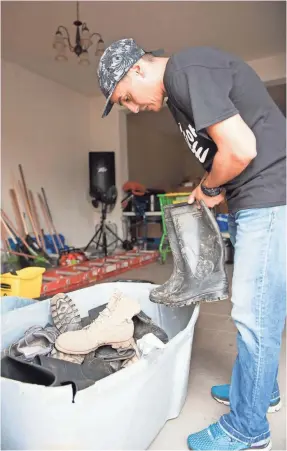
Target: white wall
[45, 127]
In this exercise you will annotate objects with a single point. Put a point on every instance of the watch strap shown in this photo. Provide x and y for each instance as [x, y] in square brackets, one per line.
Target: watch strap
[211, 192]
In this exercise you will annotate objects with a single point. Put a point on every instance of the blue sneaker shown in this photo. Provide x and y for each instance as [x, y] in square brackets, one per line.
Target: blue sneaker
[221, 394]
[214, 438]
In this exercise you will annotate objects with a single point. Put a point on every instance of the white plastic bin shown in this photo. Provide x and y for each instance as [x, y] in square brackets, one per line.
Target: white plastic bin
[10, 303]
[123, 411]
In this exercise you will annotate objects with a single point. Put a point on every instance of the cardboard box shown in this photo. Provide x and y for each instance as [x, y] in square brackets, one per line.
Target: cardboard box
[222, 208]
[153, 230]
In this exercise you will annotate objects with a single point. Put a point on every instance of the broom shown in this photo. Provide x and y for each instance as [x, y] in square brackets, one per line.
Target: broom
[37, 221]
[25, 196]
[46, 218]
[38, 232]
[50, 219]
[13, 261]
[40, 260]
[20, 254]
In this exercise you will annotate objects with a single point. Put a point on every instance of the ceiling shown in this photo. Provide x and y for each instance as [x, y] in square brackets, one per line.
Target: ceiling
[249, 29]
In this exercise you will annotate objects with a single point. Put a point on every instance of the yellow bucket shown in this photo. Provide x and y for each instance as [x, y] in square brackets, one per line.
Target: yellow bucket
[27, 283]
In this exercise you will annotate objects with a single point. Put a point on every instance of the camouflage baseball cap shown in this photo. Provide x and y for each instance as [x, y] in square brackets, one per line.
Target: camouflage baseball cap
[116, 61]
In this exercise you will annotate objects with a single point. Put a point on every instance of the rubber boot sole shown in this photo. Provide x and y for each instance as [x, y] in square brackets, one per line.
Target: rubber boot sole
[206, 297]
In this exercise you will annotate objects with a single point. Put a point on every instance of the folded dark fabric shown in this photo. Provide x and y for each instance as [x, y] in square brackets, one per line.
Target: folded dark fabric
[52, 372]
[86, 321]
[37, 340]
[55, 354]
[110, 354]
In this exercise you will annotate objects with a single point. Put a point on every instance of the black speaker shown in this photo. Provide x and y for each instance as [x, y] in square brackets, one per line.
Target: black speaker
[102, 173]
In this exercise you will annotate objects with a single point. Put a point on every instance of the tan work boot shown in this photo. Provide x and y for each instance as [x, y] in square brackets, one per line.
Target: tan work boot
[114, 326]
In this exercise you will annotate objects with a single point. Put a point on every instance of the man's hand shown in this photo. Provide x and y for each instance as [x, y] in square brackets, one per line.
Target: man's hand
[210, 202]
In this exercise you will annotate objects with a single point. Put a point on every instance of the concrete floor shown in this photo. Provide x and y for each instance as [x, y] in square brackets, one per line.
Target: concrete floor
[214, 351]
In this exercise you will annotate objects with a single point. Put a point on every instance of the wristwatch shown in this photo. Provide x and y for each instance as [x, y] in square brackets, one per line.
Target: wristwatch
[211, 192]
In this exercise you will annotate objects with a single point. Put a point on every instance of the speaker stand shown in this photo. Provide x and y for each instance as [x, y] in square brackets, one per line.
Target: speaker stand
[100, 237]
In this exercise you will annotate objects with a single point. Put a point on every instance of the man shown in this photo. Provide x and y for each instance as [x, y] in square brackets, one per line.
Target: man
[236, 131]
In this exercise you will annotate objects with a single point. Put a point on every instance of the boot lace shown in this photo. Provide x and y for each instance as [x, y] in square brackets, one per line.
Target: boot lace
[106, 313]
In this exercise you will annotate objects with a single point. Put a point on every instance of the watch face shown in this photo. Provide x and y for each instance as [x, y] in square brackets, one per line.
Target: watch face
[211, 192]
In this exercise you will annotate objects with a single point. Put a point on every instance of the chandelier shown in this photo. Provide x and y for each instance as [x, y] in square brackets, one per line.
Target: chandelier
[83, 41]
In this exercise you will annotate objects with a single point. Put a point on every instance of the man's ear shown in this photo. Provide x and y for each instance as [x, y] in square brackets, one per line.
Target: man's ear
[137, 69]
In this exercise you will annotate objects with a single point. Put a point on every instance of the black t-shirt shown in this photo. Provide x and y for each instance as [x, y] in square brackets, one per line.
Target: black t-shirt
[205, 86]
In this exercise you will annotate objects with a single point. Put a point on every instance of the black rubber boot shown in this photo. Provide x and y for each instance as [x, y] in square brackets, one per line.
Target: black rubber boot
[175, 280]
[143, 324]
[201, 273]
[20, 370]
[52, 372]
[82, 376]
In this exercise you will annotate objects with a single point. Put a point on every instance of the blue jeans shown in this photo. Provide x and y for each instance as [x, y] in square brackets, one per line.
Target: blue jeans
[259, 311]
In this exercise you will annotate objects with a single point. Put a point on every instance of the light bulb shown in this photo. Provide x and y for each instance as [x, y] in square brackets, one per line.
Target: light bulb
[60, 47]
[61, 57]
[100, 48]
[59, 42]
[84, 58]
[85, 37]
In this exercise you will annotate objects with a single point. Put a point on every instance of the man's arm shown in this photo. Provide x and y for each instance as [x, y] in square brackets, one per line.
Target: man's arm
[236, 145]
[203, 177]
